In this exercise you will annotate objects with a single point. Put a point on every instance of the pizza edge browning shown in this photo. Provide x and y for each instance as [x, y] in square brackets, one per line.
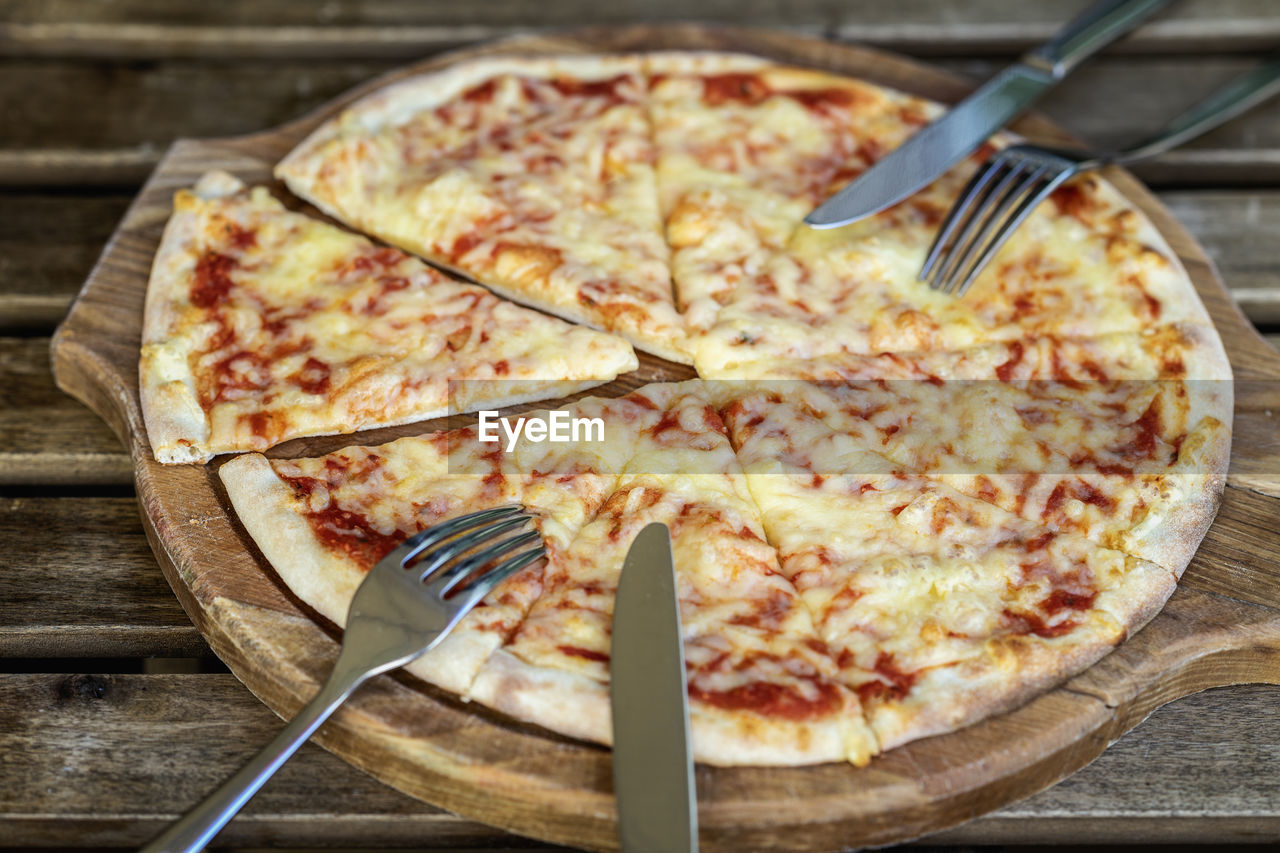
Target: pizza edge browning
[177, 425]
[270, 512]
[1017, 668]
[1209, 426]
[577, 705]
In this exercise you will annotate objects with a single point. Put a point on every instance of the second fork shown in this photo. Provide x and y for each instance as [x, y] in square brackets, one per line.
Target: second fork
[1004, 191]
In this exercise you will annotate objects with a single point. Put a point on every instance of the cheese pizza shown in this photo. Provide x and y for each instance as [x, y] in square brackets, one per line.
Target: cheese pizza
[534, 177]
[893, 512]
[263, 325]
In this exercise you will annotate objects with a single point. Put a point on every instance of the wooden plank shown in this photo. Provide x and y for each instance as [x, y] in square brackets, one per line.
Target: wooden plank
[109, 760]
[391, 28]
[81, 581]
[1115, 102]
[75, 123]
[48, 244]
[144, 106]
[1238, 230]
[46, 437]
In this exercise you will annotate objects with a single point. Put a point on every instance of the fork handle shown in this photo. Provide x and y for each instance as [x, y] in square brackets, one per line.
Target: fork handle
[198, 827]
[1243, 93]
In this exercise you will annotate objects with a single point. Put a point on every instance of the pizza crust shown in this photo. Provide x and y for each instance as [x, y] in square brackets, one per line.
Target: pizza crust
[578, 706]
[176, 423]
[271, 513]
[1014, 669]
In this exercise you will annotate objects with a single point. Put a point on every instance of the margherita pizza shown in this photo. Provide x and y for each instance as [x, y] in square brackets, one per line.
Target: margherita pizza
[263, 325]
[894, 512]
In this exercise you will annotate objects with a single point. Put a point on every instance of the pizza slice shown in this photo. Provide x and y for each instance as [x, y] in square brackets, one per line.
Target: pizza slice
[1123, 439]
[323, 522]
[939, 609]
[532, 176]
[762, 685]
[747, 148]
[264, 325]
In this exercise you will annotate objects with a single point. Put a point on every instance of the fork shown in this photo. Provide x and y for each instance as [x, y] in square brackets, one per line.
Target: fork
[402, 609]
[1004, 191]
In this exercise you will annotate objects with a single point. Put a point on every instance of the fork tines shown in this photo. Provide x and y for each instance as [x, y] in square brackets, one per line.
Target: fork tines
[446, 555]
[999, 196]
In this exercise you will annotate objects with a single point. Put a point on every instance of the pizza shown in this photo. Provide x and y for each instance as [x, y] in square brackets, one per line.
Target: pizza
[263, 325]
[893, 512]
[533, 176]
[940, 608]
[537, 647]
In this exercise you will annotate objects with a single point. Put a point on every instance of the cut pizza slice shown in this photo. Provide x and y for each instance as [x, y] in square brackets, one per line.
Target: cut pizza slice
[1123, 438]
[323, 522]
[532, 176]
[263, 325]
[747, 148]
[940, 609]
[761, 683]
[1087, 262]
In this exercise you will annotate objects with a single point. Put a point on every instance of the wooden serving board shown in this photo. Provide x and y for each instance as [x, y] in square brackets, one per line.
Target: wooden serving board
[1222, 626]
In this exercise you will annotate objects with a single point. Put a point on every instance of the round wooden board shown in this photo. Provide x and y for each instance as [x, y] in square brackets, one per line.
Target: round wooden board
[1220, 627]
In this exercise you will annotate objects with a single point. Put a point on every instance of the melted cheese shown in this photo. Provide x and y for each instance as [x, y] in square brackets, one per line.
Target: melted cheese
[273, 325]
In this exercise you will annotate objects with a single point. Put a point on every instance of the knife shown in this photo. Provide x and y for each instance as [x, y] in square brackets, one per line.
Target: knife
[940, 145]
[652, 763]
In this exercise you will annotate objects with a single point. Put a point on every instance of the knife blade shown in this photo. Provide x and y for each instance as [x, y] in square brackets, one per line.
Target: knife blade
[943, 143]
[652, 761]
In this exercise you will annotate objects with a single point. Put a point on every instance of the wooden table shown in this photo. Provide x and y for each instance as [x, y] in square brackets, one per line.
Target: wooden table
[115, 717]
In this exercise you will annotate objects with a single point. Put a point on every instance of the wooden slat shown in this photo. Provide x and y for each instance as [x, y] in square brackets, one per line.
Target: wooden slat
[48, 243]
[1238, 230]
[81, 581]
[143, 106]
[46, 437]
[73, 124]
[108, 760]
[391, 28]
[1118, 101]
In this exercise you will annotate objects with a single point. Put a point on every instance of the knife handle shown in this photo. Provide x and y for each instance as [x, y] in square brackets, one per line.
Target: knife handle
[1094, 29]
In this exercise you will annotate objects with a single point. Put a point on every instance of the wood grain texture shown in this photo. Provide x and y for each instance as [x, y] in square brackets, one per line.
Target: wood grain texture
[47, 437]
[87, 583]
[183, 734]
[73, 123]
[482, 765]
[48, 244]
[392, 28]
